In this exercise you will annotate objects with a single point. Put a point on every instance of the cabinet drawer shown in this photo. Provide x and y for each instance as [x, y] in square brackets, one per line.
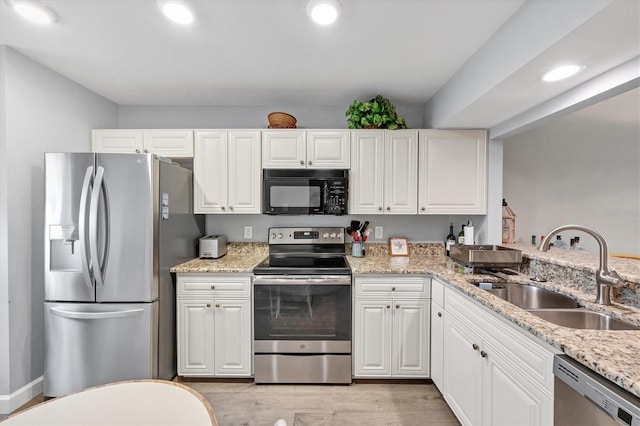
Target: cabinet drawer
[392, 286]
[214, 284]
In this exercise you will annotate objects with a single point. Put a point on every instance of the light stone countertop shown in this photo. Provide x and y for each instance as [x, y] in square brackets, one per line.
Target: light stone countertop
[613, 354]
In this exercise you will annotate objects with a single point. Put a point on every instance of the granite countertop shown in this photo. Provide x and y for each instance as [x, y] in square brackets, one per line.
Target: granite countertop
[613, 354]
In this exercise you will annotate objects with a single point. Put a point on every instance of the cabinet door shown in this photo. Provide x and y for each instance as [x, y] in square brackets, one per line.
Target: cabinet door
[169, 143]
[283, 149]
[232, 337]
[245, 173]
[509, 397]
[328, 149]
[195, 324]
[401, 172]
[437, 344]
[117, 140]
[366, 180]
[462, 375]
[372, 338]
[410, 343]
[453, 172]
[210, 172]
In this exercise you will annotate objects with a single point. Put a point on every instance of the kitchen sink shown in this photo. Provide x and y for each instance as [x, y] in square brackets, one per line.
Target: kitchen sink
[529, 297]
[582, 318]
[554, 307]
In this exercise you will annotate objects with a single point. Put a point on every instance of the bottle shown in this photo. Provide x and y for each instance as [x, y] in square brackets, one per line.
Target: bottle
[559, 243]
[450, 240]
[461, 236]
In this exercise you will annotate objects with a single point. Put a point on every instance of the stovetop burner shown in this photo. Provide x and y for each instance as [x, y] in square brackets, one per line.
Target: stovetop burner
[305, 251]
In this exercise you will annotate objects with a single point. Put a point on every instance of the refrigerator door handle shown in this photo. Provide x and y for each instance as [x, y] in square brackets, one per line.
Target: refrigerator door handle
[96, 315]
[82, 231]
[93, 226]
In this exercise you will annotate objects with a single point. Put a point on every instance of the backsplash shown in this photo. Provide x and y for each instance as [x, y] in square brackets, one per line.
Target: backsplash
[577, 270]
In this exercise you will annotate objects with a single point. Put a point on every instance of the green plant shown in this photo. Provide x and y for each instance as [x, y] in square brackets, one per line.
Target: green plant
[378, 112]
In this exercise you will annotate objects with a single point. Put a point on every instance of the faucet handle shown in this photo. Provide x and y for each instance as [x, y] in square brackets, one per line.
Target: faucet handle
[612, 279]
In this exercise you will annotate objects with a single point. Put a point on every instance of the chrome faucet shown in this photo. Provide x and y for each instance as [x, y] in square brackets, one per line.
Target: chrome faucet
[605, 278]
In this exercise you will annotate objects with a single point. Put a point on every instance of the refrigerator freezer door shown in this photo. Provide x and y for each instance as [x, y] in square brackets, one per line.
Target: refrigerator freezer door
[125, 240]
[68, 179]
[93, 344]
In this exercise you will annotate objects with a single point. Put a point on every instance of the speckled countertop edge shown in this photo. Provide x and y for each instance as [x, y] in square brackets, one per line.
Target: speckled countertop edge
[612, 354]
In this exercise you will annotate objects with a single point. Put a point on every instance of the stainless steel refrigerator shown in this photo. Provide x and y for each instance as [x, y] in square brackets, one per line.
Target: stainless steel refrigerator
[114, 225]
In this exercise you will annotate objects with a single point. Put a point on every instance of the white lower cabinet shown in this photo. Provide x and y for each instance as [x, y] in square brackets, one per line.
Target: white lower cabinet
[493, 374]
[391, 327]
[214, 325]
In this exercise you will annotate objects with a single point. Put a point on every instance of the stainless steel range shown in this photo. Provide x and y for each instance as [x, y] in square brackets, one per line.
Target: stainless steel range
[302, 308]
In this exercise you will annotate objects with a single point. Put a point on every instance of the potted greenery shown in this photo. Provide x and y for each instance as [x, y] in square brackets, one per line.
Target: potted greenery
[379, 112]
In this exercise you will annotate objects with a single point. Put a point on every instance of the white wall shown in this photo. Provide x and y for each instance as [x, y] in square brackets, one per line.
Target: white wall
[583, 168]
[203, 117]
[42, 111]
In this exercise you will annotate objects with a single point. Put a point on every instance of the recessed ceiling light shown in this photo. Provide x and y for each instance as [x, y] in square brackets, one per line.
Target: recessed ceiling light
[324, 12]
[177, 12]
[33, 11]
[562, 72]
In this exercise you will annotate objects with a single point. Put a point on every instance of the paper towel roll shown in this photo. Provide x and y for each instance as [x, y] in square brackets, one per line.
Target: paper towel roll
[468, 235]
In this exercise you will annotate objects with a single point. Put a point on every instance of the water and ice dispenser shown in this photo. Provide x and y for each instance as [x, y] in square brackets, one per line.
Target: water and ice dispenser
[64, 247]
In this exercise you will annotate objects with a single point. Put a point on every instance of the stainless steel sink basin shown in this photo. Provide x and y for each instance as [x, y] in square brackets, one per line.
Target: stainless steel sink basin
[530, 297]
[582, 318]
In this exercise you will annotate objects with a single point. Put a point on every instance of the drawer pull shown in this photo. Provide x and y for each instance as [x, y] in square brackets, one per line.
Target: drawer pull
[475, 347]
[388, 306]
[483, 354]
[217, 305]
[208, 305]
[397, 306]
[393, 289]
[213, 287]
[440, 314]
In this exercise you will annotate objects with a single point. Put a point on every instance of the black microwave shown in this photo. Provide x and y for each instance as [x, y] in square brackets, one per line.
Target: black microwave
[305, 191]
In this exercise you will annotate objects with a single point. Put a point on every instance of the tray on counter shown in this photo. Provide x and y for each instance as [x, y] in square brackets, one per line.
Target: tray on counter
[488, 256]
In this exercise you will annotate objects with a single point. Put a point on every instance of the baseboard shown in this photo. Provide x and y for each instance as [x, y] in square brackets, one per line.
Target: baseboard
[9, 403]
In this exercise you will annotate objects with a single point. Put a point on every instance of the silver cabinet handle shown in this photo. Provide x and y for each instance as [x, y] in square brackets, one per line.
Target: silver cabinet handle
[379, 209]
[222, 208]
[475, 347]
[208, 305]
[213, 287]
[310, 163]
[137, 151]
[388, 306]
[423, 208]
[440, 314]
[483, 354]
[231, 208]
[388, 209]
[217, 305]
[301, 163]
[82, 231]
[397, 306]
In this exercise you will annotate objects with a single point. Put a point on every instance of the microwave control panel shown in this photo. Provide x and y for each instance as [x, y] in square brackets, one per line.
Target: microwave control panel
[336, 202]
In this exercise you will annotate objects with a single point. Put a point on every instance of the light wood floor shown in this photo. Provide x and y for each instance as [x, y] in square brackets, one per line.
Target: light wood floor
[301, 405]
[375, 404]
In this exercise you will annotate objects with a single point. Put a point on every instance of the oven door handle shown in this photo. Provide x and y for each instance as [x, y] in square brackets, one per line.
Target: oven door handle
[302, 280]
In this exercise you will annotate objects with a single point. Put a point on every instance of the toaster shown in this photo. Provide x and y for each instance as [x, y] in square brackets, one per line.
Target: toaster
[213, 246]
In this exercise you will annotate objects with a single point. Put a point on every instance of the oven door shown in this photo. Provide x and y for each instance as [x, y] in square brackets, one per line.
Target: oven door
[312, 311]
[294, 195]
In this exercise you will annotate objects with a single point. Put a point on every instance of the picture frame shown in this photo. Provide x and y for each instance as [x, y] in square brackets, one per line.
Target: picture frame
[398, 246]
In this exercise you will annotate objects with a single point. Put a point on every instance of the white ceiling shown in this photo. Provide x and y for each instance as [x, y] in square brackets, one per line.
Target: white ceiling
[267, 52]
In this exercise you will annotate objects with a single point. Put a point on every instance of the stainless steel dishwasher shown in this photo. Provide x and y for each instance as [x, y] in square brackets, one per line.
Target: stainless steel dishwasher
[583, 397]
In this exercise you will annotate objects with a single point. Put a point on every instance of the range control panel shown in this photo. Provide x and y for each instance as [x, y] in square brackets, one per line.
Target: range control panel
[330, 235]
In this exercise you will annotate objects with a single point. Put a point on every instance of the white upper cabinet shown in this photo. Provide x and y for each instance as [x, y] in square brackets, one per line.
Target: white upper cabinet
[227, 176]
[401, 172]
[171, 143]
[453, 172]
[384, 172]
[328, 149]
[299, 149]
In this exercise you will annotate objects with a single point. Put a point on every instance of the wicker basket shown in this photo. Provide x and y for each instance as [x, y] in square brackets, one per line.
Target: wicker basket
[281, 120]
